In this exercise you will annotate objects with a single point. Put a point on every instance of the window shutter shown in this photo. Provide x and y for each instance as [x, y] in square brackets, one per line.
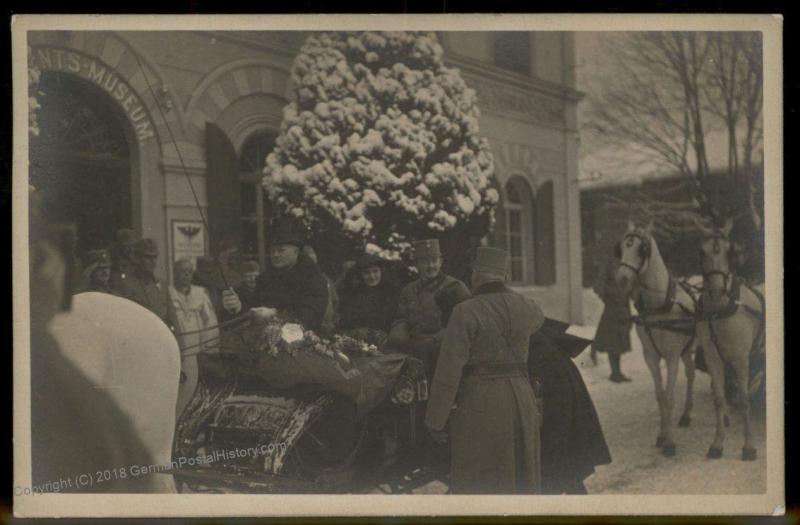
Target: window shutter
[222, 189]
[545, 236]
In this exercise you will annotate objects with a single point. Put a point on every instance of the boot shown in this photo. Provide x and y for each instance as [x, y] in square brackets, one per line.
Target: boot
[616, 370]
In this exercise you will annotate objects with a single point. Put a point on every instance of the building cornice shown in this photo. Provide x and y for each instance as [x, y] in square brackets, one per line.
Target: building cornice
[474, 67]
[275, 46]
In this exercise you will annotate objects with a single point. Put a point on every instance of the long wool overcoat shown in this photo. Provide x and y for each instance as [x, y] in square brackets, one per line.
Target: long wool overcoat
[494, 429]
[614, 329]
[572, 438]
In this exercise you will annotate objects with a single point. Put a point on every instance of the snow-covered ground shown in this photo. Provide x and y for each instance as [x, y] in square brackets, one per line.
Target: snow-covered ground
[629, 416]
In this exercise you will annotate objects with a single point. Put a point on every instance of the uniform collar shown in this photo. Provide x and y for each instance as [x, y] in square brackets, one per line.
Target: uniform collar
[430, 282]
[491, 287]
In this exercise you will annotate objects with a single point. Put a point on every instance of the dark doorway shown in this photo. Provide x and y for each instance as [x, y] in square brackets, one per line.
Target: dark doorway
[81, 161]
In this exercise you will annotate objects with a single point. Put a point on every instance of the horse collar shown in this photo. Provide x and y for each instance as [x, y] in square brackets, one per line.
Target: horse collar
[666, 306]
[733, 302]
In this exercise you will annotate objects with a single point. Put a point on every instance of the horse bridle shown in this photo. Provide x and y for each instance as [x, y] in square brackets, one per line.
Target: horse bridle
[644, 252]
[717, 237]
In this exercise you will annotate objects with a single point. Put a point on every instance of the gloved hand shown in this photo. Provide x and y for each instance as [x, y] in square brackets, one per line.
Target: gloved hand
[231, 301]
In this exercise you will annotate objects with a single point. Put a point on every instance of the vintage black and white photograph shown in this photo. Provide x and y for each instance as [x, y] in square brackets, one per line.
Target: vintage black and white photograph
[385, 257]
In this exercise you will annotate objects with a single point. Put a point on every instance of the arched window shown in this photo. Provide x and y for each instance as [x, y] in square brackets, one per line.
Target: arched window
[519, 215]
[256, 208]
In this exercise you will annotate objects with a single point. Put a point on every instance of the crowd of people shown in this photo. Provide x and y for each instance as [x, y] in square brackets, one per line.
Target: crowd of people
[485, 422]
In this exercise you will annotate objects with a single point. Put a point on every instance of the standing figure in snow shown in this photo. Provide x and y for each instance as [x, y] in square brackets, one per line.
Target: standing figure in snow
[482, 369]
[613, 334]
[425, 306]
[192, 315]
[291, 286]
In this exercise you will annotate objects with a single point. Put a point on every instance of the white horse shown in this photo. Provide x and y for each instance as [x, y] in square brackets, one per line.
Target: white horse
[129, 353]
[730, 330]
[665, 323]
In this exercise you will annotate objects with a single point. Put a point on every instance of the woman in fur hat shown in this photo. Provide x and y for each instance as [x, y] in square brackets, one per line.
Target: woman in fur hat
[369, 299]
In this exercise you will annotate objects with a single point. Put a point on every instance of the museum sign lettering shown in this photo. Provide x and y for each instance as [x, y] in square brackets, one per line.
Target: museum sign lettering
[53, 59]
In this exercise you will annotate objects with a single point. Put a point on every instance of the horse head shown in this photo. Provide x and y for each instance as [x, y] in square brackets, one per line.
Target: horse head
[634, 252]
[715, 260]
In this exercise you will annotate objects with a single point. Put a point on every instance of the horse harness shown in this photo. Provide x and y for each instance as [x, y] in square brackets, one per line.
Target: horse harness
[684, 325]
[734, 303]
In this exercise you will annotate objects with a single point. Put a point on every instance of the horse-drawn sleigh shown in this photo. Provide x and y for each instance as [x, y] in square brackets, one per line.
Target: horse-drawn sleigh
[313, 413]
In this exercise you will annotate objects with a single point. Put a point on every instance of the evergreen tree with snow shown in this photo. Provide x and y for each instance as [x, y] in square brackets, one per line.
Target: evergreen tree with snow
[380, 147]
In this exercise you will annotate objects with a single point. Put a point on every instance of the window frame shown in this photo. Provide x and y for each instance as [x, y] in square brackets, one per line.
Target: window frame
[525, 207]
[253, 179]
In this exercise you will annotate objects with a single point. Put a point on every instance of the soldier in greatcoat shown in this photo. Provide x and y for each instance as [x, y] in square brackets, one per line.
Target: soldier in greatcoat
[613, 334]
[97, 272]
[482, 389]
[425, 306]
[135, 279]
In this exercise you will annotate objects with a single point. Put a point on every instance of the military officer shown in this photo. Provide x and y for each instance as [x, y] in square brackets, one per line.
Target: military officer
[140, 284]
[97, 273]
[121, 252]
[482, 369]
[425, 306]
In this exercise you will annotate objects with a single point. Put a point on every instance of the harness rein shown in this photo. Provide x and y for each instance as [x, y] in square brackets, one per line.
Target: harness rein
[684, 325]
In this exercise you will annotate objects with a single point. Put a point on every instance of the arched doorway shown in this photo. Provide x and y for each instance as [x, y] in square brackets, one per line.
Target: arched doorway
[81, 160]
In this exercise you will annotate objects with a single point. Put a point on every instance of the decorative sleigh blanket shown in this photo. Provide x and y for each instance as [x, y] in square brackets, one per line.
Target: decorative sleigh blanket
[283, 356]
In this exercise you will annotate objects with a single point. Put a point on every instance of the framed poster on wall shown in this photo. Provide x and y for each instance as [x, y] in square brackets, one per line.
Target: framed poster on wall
[188, 240]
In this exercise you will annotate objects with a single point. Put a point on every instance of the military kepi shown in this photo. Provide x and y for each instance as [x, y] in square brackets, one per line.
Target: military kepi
[97, 259]
[428, 248]
[492, 261]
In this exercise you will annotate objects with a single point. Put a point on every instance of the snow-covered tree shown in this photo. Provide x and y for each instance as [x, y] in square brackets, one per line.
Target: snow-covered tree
[380, 146]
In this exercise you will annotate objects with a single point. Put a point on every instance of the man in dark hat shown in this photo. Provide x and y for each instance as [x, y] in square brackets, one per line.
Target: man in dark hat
[141, 285]
[425, 305]
[97, 272]
[494, 429]
[291, 286]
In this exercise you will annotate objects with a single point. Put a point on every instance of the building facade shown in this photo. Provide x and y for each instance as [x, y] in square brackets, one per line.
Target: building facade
[138, 128]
